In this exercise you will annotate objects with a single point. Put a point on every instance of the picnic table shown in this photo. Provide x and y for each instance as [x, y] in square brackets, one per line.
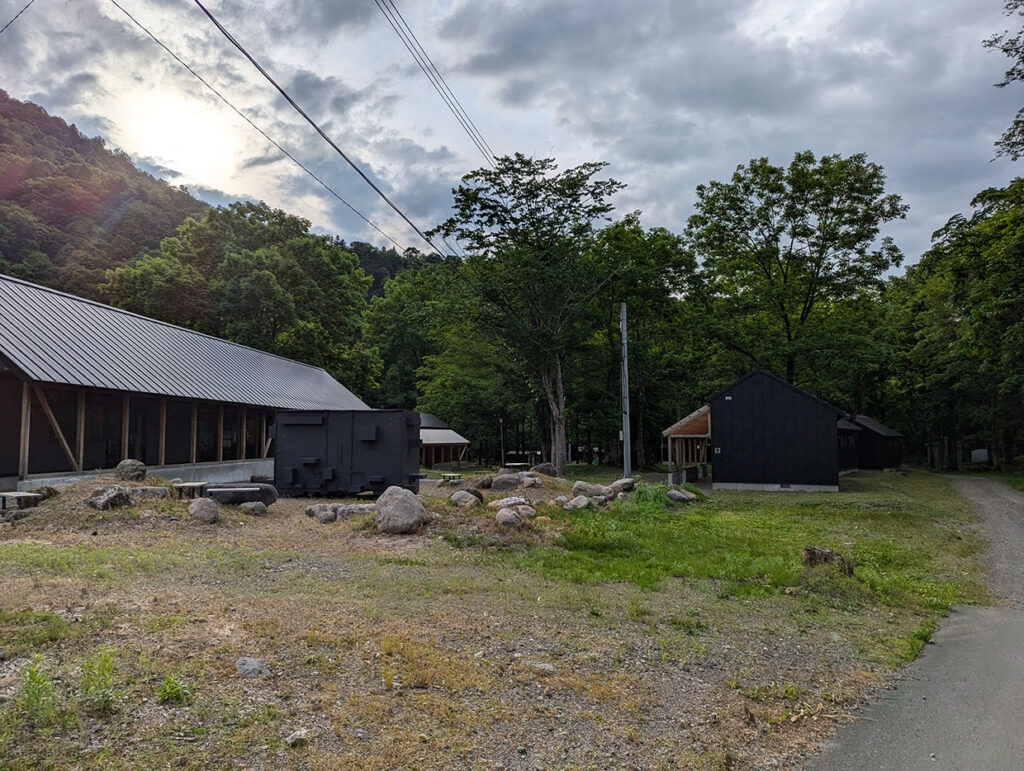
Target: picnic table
[518, 465]
[190, 489]
[451, 477]
[24, 500]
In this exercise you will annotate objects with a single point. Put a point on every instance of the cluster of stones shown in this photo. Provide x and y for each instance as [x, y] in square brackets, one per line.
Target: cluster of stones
[586, 495]
[397, 511]
[206, 510]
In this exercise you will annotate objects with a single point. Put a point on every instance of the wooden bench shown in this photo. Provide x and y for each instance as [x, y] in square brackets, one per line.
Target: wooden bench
[517, 466]
[24, 500]
[190, 489]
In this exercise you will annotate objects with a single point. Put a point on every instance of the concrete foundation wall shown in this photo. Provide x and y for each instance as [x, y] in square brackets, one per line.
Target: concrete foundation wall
[776, 488]
[224, 471]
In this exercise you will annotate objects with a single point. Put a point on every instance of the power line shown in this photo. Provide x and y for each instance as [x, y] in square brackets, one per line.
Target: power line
[313, 123]
[4, 28]
[426, 64]
[246, 118]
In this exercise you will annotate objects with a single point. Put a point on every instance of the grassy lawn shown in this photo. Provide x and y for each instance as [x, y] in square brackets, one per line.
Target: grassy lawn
[644, 635]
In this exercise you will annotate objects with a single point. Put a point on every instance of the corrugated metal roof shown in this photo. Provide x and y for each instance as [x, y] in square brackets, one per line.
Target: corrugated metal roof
[873, 425]
[54, 337]
[439, 436]
[844, 425]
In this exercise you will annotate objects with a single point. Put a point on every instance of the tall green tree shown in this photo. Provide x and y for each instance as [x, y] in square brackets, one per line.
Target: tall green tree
[1011, 144]
[531, 274]
[777, 247]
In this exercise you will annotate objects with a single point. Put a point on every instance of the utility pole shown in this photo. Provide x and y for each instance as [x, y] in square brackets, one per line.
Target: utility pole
[627, 461]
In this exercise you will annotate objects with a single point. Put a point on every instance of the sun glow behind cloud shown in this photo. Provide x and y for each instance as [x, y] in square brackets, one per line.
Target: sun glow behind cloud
[181, 133]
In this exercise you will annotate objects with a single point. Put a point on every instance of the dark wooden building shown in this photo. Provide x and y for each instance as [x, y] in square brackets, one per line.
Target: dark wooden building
[848, 444]
[878, 446]
[84, 385]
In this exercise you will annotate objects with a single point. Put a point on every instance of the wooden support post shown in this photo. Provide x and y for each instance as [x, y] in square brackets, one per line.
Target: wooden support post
[80, 430]
[264, 444]
[220, 432]
[125, 415]
[61, 439]
[241, 435]
[26, 426]
[161, 453]
[194, 431]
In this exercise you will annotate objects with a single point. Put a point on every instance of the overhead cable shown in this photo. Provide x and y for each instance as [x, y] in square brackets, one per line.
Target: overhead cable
[246, 118]
[314, 124]
[4, 28]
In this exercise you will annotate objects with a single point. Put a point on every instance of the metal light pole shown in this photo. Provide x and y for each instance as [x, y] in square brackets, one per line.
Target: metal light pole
[627, 461]
[501, 429]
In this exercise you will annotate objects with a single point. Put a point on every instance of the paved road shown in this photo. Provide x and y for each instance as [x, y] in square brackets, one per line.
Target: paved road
[962, 705]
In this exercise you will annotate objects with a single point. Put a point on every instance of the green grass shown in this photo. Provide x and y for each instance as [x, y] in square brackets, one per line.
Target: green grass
[909, 539]
[27, 630]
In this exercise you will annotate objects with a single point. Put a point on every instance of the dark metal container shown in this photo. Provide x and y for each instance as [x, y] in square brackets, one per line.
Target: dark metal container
[344, 452]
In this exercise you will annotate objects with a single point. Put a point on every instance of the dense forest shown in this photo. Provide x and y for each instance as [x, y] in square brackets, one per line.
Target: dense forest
[786, 268]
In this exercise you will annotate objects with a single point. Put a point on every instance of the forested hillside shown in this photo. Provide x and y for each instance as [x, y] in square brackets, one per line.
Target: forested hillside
[70, 208]
[786, 268]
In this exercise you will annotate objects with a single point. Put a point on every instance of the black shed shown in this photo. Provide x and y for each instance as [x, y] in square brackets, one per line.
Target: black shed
[849, 434]
[770, 435]
[878, 446]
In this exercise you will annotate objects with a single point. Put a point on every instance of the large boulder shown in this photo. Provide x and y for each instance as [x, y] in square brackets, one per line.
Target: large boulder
[508, 518]
[504, 482]
[204, 510]
[624, 485]
[819, 555]
[399, 511]
[484, 482]
[112, 497]
[589, 490]
[680, 496]
[264, 493]
[254, 508]
[130, 470]
[343, 511]
[465, 498]
[577, 503]
[524, 512]
[531, 482]
[547, 469]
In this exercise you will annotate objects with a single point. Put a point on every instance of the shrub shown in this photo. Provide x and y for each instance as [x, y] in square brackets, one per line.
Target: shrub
[96, 690]
[173, 690]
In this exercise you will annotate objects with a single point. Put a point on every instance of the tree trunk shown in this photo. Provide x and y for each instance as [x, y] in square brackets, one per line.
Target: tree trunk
[554, 390]
[791, 368]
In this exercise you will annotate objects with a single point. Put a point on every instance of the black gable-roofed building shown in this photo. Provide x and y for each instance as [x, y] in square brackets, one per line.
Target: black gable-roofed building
[84, 385]
[849, 433]
[767, 434]
[878, 446]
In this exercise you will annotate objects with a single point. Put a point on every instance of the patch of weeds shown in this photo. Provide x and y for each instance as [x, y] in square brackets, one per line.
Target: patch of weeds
[174, 690]
[363, 523]
[637, 610]
[27, 630]
[161, 623]
[35, 705]
[412, 663]
[688, 624]
[96, 691]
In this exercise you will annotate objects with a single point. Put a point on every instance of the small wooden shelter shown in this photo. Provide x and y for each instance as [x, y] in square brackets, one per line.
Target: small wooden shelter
[439, 443]
[688, 443]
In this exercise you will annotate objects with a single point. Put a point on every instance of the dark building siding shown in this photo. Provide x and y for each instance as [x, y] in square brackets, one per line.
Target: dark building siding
[878, 452]
[767, 432]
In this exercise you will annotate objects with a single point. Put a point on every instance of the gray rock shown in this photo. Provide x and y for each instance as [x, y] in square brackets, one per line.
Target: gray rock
[681, 496]
[577, 503]
[547, 469]
[204, 510]
[266, 494]
[473, 491]
[345, 511]
[589, 490]
[399, 511]
[112, 497]
[561, 500]
[142, 493]
[325, 513]
[313, 509]
[508, 518]
[622, 497]
[599, 500]
[524, 512]
[527, 474]
[297, 738]
[624, 485]
[506, 471]
[538, 502]
[505, 482]
[464, 498]
[501, 503]
[484, 482]
[539, 666]
[250, 667]
[254, 508]
[130, 470]
[531, 482]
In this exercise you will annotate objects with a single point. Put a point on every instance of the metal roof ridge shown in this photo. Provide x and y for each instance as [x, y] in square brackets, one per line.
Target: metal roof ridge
[108, 307]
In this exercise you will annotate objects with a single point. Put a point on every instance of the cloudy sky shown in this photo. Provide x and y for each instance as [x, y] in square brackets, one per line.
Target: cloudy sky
[671, 93]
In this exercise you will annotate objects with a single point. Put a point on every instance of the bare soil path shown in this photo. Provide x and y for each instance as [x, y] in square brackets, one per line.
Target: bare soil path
[962, 705]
